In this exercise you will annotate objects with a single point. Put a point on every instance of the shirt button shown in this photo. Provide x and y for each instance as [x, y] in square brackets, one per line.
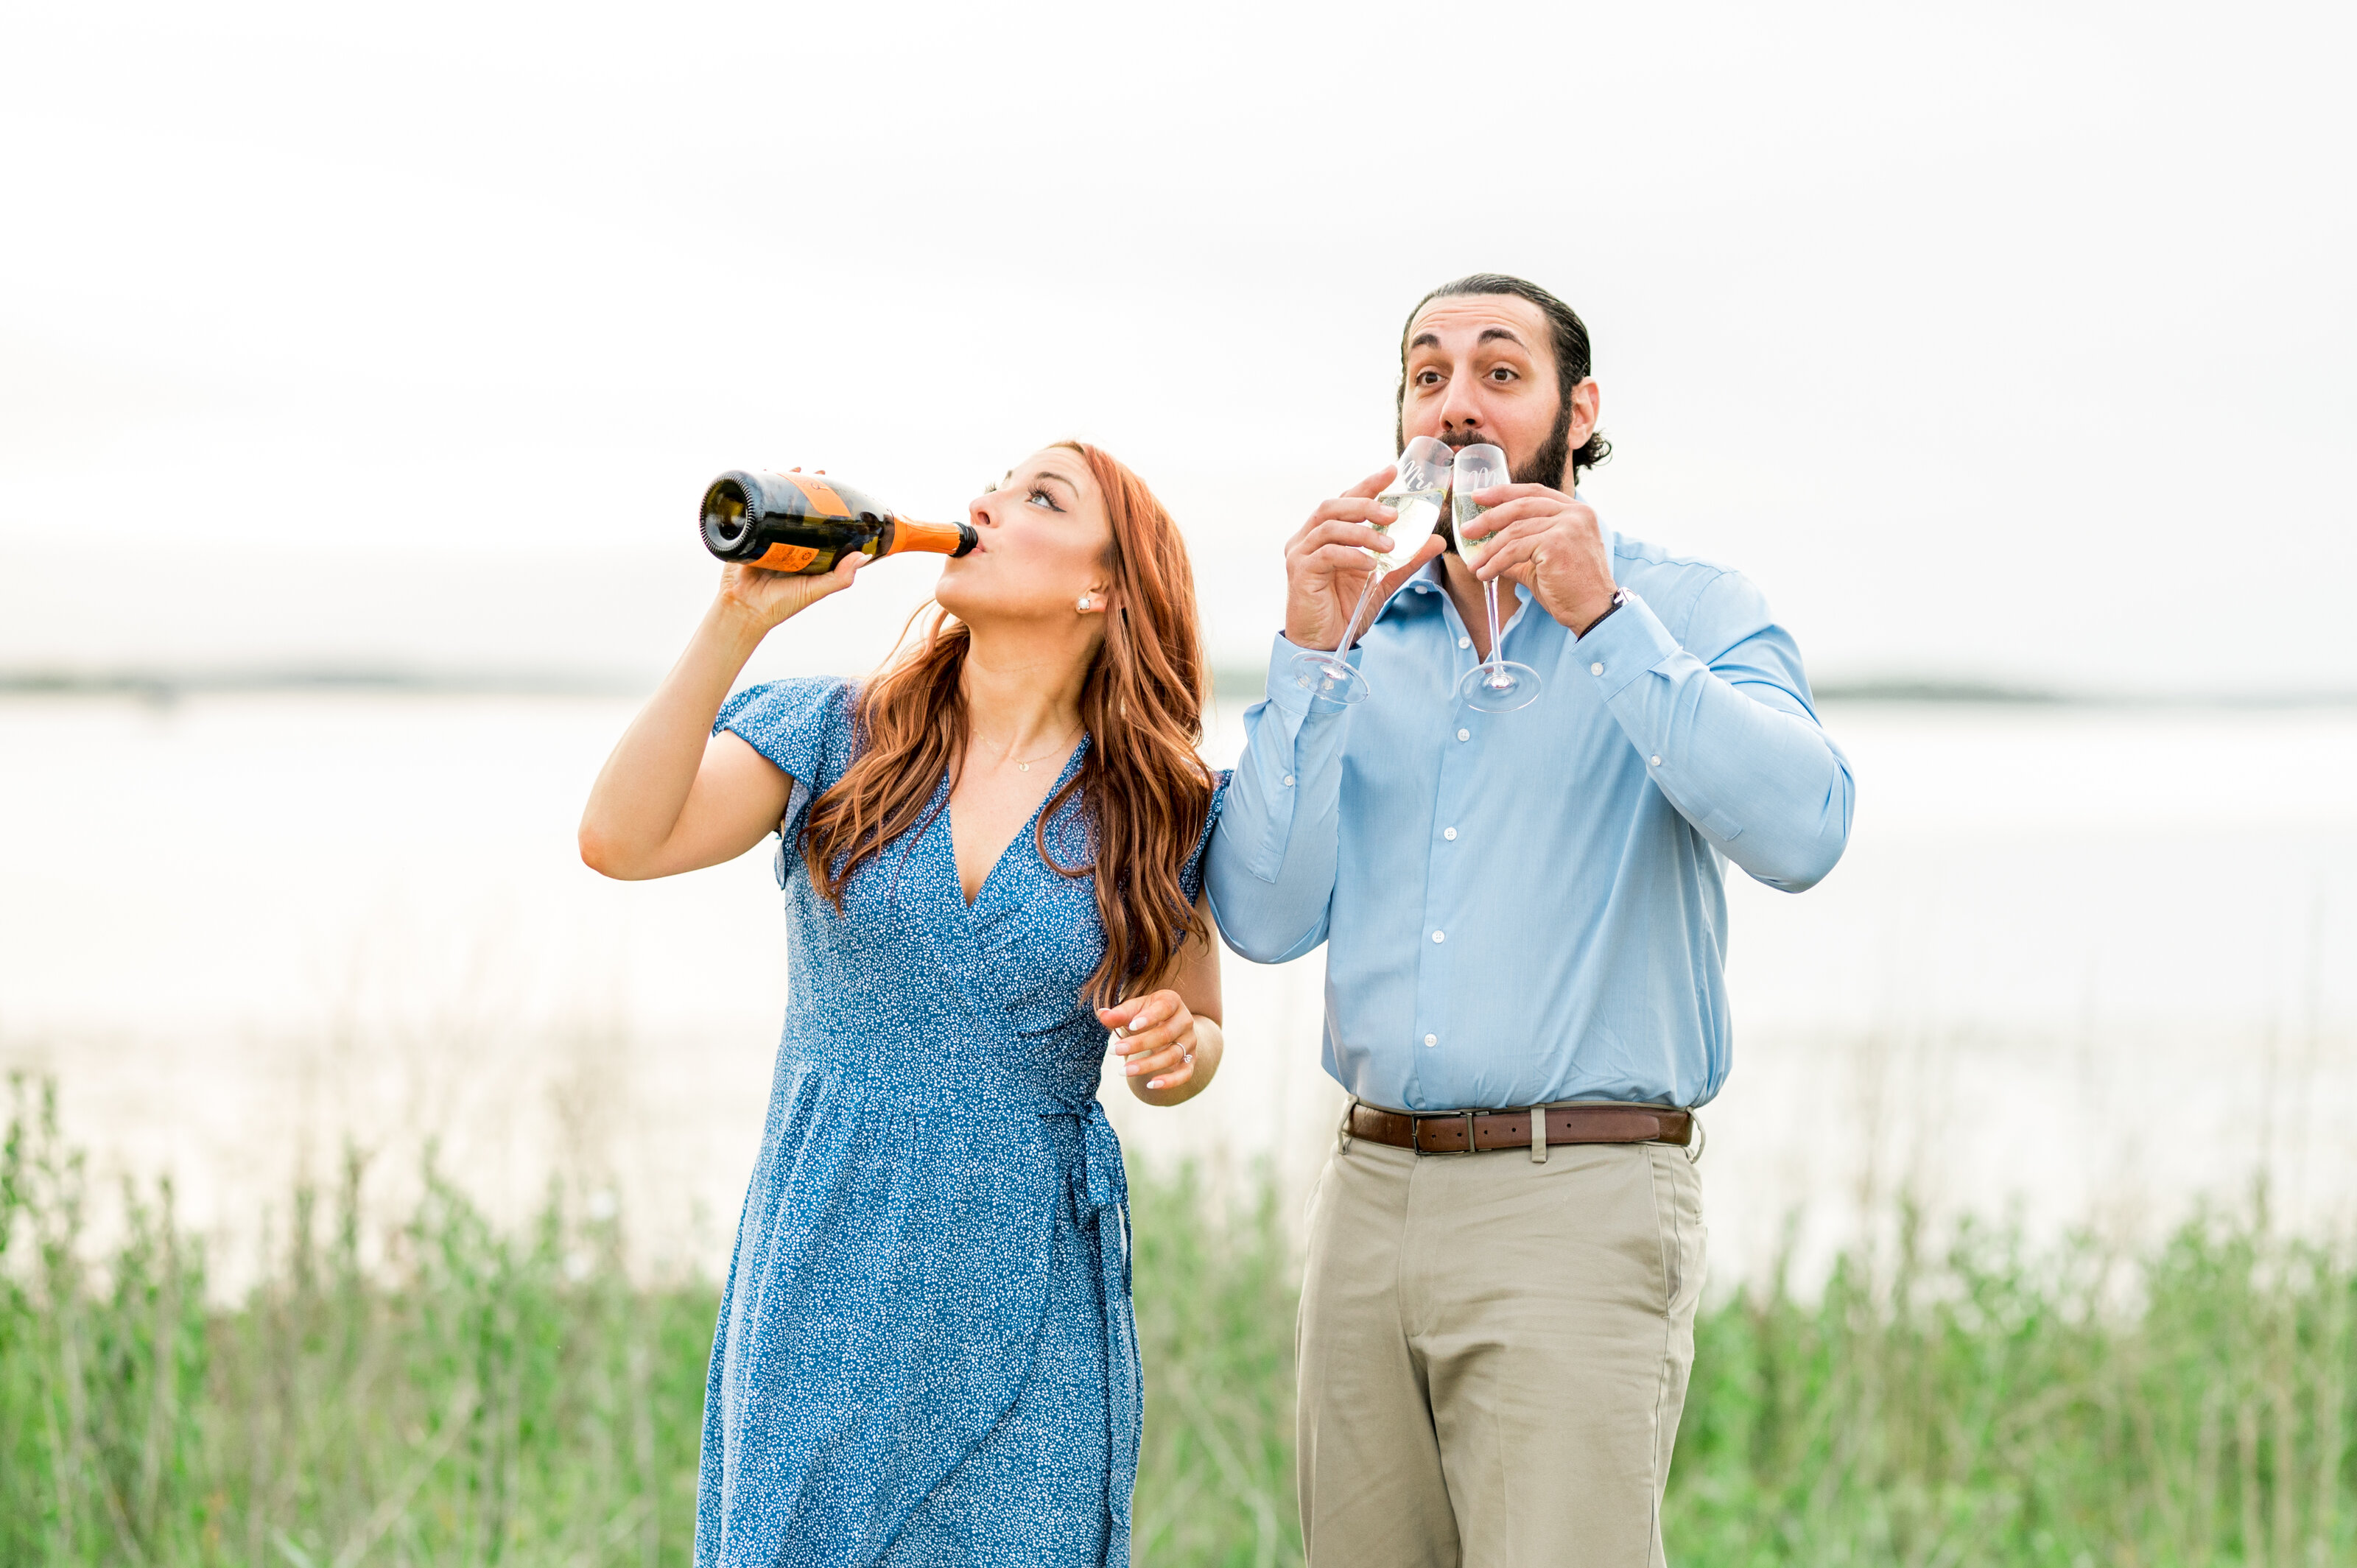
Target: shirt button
[1464, 642]
[1596, 670]
[1464, 735]
[1432, 1039]
[1288, 778]
[1448, 833]
[1440, 936]
[1657, 762]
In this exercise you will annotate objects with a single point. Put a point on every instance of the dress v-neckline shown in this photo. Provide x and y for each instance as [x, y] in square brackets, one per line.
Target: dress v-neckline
[1023, 835]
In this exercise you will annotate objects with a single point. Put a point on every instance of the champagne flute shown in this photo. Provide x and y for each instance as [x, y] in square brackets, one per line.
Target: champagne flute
[1417, 492]
[1495, 685]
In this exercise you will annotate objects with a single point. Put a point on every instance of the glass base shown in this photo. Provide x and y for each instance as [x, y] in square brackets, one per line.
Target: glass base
[1499, 688]
[1329, 676]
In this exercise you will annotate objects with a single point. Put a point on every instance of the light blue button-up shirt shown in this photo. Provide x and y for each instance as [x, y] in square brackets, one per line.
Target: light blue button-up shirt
[1526, 908]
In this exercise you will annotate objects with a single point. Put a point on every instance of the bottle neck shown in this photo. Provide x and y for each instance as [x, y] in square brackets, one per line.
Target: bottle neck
[953, 539]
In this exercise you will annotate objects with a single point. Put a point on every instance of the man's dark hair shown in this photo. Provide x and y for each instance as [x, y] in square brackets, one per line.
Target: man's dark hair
[1571, 367]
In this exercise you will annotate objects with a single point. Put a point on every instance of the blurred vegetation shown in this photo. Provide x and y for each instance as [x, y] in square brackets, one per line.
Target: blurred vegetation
[476, 1398]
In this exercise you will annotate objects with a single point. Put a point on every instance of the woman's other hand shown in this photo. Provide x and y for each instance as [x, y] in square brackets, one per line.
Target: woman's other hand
[1161, 1042]
[762, 599]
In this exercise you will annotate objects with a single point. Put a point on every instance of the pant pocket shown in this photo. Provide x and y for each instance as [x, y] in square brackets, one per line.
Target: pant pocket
[1677, 1207]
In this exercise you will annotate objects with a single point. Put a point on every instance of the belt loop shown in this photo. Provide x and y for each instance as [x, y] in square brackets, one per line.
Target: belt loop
[1695, 1142]
[1538, 1135]
[1349, 1110]
[1468, 1132]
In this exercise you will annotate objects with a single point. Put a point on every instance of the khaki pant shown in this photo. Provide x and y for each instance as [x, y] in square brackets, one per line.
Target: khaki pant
[1493, 1355]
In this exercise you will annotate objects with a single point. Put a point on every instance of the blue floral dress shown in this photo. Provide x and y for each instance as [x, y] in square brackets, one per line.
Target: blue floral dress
[926, 1353]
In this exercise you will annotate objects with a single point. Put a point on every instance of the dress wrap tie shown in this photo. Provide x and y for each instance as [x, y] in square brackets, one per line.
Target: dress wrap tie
[1104, 1192]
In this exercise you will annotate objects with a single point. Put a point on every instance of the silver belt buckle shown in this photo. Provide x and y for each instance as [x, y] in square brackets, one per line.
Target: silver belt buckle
[1415, 1130]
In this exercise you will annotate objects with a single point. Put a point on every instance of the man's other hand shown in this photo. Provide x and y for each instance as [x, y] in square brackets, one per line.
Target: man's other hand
[1552, 545]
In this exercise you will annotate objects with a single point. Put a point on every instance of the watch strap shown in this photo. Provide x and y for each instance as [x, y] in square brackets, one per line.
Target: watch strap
[1620, 597]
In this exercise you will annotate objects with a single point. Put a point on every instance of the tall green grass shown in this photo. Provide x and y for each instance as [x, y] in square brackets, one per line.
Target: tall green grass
[480, 1397]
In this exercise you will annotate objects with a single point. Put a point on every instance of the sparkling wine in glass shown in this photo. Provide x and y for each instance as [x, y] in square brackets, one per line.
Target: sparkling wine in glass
[1419, 491]
[1496, 685]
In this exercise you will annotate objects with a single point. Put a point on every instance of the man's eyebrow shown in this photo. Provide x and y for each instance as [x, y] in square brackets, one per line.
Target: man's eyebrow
[1424, 340]
[1489, 332]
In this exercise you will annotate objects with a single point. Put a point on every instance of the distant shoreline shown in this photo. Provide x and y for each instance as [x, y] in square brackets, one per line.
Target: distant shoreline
[164, 687]
[171, 686]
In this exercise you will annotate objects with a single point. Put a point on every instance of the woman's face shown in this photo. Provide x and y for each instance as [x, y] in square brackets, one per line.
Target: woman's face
[1044, 540]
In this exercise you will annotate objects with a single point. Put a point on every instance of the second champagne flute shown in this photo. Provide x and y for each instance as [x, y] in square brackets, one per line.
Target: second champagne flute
[1417, 492]
[1496, 685]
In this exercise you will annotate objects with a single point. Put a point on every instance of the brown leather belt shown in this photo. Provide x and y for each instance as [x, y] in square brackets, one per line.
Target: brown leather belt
[1446, 1132]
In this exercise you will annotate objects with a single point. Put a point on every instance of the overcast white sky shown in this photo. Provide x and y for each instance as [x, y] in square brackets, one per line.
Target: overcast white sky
[2005, 343]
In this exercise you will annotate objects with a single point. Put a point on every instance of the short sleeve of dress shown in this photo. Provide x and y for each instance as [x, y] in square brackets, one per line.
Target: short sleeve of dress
[1190, 878]
[803, 725]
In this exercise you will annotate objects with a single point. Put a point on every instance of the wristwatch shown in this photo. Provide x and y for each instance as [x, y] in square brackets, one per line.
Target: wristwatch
[1620, 597]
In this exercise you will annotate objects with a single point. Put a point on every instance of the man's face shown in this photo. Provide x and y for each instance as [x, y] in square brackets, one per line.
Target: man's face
[1481, 368]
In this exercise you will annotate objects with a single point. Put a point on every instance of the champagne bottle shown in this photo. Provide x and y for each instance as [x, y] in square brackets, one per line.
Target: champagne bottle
[804, 523]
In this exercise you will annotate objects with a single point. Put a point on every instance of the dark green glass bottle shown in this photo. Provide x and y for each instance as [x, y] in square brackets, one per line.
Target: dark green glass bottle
[804, 523]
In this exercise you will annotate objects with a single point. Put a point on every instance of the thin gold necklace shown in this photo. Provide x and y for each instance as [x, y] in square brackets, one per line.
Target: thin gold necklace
[1025, 767]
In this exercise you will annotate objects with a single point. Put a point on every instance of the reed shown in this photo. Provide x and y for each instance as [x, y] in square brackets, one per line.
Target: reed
[478, 1398]
[1987, 1405]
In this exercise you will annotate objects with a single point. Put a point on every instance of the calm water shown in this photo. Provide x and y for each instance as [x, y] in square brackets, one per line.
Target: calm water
[2084, 963]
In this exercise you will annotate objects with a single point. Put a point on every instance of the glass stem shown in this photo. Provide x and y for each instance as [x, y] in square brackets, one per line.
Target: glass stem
[1491, 589]
[1343, 649]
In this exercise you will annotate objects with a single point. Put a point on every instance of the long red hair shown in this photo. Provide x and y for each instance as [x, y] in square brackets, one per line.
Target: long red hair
[1143, 787]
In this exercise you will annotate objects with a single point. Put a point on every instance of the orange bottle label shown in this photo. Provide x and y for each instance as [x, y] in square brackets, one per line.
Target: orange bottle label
[786, 558]
[821, 495]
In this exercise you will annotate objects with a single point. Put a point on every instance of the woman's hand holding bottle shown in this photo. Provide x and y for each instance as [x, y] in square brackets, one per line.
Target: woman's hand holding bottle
[761, 600]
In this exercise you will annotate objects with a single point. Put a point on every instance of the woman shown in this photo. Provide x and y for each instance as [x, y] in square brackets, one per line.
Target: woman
[925, 1353]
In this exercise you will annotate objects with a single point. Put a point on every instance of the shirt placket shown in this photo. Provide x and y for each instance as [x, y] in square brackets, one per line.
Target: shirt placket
[1435, 1083]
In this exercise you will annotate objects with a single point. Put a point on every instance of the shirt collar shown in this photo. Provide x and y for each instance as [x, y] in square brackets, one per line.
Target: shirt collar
[1421, 594]
[1425, 593]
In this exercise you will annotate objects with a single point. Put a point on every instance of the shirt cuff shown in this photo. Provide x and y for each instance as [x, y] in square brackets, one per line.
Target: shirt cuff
[1624, 644]
[1286, 689]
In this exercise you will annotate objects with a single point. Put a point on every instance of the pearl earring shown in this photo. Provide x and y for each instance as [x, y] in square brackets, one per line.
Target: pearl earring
[1083, 605]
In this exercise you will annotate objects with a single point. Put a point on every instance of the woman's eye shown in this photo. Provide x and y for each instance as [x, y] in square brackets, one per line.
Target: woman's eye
[1042, 498]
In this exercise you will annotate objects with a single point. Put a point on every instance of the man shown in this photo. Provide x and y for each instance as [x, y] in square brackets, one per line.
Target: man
[1525, 925]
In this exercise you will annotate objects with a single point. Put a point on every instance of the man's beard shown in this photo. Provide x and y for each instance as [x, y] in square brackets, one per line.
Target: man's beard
[1546, 467]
